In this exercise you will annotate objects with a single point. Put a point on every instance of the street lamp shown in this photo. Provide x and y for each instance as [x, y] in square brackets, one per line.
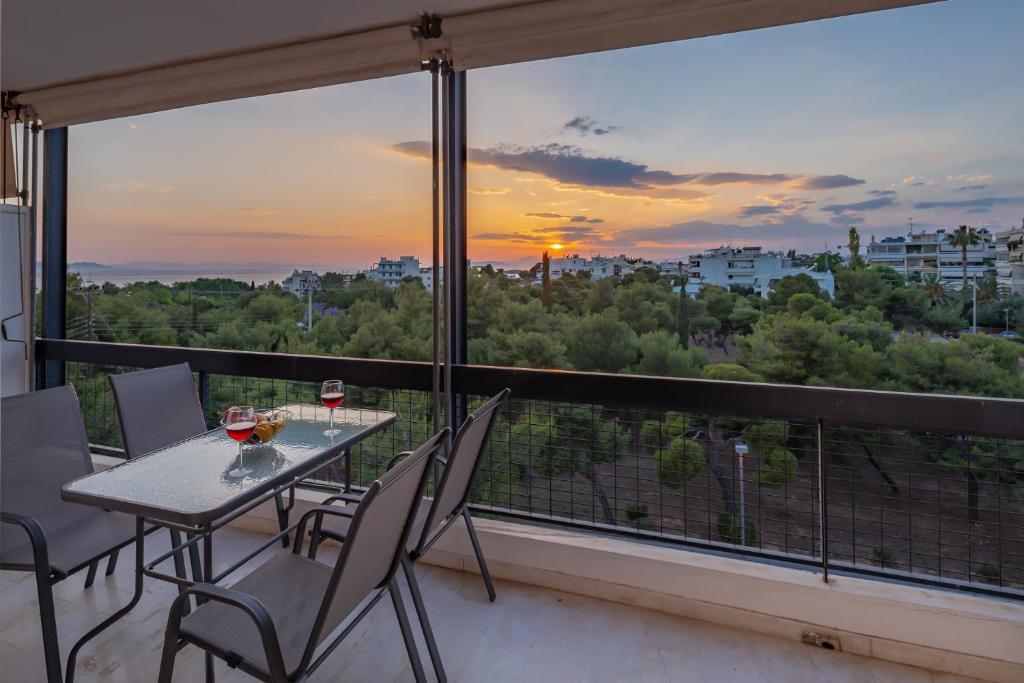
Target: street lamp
[741, 451]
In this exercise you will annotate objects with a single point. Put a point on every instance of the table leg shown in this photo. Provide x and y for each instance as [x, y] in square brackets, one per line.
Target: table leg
[348, 470]
[140, 546]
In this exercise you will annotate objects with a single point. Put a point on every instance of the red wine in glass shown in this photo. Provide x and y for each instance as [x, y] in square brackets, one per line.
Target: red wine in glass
[239, 423]
[332, 395]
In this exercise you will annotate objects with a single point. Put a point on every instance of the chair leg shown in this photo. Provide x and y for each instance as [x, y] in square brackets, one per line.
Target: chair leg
[193, 558]
[170, 650]
[48, 621]
[479, 554]
[282, 517]
[421, 613]
[403, 624]
[179, 562]
[112, 563]
[90, 576]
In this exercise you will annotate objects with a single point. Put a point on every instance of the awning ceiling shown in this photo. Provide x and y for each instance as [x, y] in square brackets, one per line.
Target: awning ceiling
[84, 61]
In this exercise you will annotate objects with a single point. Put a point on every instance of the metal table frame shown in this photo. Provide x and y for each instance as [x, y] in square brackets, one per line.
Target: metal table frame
[200, 526]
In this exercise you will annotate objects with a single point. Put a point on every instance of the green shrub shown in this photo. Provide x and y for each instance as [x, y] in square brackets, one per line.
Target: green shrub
[682, 459]
[729, 529]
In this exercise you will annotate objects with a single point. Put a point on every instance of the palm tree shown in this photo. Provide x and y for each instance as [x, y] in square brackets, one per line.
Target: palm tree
[933, 287]
[965, 236]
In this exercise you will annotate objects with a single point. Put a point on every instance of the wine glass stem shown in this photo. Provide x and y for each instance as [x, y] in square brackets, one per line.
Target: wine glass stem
[241, 459]
[332, 419]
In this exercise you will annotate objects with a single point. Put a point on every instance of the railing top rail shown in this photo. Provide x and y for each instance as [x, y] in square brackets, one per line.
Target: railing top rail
[886, 409]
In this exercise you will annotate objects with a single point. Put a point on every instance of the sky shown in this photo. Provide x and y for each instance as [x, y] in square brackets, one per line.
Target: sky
[782, 137]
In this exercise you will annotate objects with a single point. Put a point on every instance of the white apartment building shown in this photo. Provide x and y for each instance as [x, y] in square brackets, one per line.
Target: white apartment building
[748, 267]
[1009, 246]
[599, 267]
[426, 277]
[301, 282]
[392, 271]
[924, 253]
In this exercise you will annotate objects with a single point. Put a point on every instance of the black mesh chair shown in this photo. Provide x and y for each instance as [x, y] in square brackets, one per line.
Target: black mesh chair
[43, 446]
[281, 622]
[433, 516]
[157, 408]
[160, 407]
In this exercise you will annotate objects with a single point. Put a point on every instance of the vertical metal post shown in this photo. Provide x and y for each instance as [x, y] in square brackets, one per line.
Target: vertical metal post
[55, 248]
[446, 77]
[435, 275]
[457, 228]
[33, 229]
[822, 501]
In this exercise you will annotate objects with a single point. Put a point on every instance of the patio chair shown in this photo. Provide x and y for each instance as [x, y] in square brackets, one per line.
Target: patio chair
[43, 447]
[282, 621]
[433, 517]
[160, 407]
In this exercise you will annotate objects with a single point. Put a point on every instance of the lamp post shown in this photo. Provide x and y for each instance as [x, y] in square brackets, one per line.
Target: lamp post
[741, 451]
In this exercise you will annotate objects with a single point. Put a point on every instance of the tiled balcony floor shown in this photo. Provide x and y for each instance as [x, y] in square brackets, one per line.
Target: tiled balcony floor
[529, 634]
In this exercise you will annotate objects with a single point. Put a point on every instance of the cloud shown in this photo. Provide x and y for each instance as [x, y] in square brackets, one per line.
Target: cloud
[843, 219]
[827, 182]
[585, 124]
[167, 188]
[866, 205]
[490, 190]
[917, 181]
[757, 210]
[969, 178]
[562, 217]
[968, 188]
[248, 234]
[882, 193]
[980, 203]
[571, 168]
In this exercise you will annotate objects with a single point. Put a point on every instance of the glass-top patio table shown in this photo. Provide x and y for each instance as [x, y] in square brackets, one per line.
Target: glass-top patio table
[188, 486]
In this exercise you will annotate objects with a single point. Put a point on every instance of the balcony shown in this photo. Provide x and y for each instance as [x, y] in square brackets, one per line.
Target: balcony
[529, 634]
[585, 490]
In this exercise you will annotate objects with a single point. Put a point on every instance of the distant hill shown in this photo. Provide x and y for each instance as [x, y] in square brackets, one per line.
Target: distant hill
[87, 265]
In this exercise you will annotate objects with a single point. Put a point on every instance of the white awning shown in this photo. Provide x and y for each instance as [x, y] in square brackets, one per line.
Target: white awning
[75, 62]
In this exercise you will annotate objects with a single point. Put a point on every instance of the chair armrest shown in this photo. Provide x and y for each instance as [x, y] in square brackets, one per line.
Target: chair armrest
[319, 512]
[248, 604]
[347, 497]
[40, 555]
[398, 458]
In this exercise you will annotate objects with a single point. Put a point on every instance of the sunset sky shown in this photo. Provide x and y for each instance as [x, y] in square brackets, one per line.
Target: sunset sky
[782, 137]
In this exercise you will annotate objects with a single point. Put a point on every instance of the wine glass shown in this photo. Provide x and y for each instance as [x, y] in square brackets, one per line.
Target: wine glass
[239, 423]
[332, 395]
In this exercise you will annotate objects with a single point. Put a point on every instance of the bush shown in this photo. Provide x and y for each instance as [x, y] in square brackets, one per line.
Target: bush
[729, 529]
[778, 465]
[682, 459]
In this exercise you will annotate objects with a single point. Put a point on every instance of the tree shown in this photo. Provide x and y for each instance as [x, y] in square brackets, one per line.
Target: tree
[571, 440]
[853, 244]
[934, 289]
[964, 237]
[683, 314]
[790, 285]
[546, 281]
[601, 343]
[662, 355]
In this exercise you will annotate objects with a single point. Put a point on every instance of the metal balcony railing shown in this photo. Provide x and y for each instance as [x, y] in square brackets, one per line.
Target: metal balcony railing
[922, 488]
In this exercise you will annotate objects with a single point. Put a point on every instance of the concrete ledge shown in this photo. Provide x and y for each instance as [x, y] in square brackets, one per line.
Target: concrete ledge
[929, 628]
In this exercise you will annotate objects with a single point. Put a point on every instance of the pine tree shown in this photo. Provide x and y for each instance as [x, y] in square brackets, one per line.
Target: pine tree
[545, 280]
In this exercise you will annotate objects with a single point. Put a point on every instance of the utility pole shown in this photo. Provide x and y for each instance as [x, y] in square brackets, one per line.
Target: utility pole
[309, 306]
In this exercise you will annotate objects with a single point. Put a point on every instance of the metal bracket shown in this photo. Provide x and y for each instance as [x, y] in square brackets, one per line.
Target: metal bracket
[428, 28]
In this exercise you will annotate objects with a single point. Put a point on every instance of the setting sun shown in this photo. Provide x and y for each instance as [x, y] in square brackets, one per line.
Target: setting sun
[557, 246]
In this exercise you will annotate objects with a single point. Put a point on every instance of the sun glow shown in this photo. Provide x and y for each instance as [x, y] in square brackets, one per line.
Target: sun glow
[556, 246]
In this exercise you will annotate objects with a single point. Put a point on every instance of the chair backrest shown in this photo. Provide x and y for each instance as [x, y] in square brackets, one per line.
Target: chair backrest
[42, 447]
[157, 408]
[452, 491]
[376, 537]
